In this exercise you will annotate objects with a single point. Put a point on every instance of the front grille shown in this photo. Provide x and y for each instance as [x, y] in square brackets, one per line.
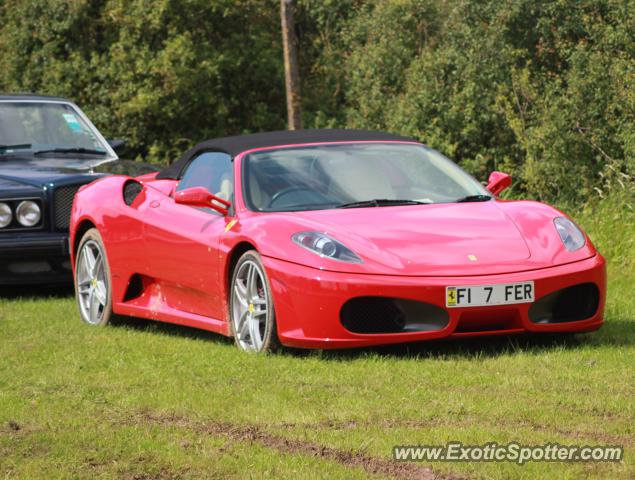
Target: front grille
[63, 202]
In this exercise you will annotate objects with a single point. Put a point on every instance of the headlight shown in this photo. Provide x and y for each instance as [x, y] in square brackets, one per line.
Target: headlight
[28, 213]
[325, 246]
[570, 235]
[5, 215]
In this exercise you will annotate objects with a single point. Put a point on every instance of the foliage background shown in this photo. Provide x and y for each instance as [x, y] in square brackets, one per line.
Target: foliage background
[542, 89]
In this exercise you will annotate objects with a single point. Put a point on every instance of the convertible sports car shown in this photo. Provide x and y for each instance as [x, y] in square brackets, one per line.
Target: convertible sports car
[48, 148]
[329, 239]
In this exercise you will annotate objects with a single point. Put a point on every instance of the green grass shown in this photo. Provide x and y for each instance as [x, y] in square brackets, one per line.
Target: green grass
[142, 400]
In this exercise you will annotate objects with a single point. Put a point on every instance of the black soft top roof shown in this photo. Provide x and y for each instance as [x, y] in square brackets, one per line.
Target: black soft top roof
[240, 143]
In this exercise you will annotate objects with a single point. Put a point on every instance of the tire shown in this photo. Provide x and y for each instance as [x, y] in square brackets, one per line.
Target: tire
[93, 286]
[251, 313]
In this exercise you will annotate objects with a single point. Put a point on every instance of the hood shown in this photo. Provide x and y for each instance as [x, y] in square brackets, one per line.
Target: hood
[432, 240]
[37, 172]
[41, 171]
[10, 187]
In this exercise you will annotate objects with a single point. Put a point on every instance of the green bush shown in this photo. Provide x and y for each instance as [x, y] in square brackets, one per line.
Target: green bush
[541, 89]
[163, 74]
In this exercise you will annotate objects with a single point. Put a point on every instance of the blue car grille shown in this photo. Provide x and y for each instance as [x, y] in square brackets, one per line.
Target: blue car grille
[63, 202]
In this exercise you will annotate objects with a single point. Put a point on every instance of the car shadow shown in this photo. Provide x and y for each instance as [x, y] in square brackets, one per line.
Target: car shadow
[171, 329]
[466, 348]
[34, 292]
[615, 333]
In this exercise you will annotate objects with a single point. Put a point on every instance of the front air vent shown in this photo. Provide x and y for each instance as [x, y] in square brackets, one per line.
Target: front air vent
[391, 315]
[571, 304]
[62, 204]
[130, 191]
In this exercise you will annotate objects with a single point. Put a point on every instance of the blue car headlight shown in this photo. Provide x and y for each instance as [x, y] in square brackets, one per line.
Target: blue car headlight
[325, 246]
[6, 215]
[571, 236]
[28, 213]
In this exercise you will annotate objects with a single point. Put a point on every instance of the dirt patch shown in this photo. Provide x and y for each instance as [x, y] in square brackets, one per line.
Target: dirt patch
[13, 425]
[598, 437]
[253, 434]
[372, 465]
[162, 475]
[15, 429]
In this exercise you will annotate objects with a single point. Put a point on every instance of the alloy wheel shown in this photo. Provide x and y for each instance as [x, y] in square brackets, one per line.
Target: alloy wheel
[92, 287]
[250, 312]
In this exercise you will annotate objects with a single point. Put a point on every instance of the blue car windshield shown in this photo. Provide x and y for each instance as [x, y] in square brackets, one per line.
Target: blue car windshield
[27, 127]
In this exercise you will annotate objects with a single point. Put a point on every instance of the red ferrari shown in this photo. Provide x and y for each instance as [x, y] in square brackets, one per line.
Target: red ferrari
[329, 239]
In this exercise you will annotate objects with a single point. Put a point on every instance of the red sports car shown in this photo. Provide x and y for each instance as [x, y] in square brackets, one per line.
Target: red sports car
[329, 239]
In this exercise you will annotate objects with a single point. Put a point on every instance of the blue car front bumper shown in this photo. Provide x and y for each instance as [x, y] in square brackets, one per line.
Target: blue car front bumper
[34, 258]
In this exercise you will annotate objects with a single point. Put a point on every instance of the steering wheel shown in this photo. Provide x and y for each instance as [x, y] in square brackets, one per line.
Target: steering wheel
[287, 191]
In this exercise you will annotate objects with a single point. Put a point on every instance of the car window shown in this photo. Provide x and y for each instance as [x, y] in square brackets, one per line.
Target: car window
[212, 171]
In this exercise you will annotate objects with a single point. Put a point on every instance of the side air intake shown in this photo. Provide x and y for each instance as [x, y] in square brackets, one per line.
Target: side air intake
[131, 190]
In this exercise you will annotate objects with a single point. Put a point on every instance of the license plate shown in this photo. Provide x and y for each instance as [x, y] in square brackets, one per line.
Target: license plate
[484, 295]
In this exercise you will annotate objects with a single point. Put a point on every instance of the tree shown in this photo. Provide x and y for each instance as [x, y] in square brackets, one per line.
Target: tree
[291, 73]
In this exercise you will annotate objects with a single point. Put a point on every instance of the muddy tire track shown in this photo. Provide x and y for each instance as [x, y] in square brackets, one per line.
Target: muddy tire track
[571, 434]
[256, 435]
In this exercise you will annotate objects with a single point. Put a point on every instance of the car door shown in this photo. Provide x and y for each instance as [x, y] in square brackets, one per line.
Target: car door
[182, 241]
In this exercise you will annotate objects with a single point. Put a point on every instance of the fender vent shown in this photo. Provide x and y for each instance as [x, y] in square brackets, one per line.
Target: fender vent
[130, 191]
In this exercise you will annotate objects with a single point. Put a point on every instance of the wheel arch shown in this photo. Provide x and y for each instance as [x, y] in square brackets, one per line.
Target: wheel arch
[271, 340]
[80, 230]
[232, 259]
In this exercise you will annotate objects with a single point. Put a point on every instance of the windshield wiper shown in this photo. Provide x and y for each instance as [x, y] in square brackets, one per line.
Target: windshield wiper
[474, 198]
[4, 148]
[381, 202]
[71, 150]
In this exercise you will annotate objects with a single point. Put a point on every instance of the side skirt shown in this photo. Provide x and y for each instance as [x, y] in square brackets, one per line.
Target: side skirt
[165, 313]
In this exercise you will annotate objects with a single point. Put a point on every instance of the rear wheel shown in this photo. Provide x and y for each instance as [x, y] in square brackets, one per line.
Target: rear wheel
[253, 318]
[93, 288]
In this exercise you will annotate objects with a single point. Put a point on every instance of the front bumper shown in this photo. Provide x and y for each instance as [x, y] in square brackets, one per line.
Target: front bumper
[308, 303]
[34, 258]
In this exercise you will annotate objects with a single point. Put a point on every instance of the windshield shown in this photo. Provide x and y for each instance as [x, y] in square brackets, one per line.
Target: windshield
[354, 175]
[30, 127]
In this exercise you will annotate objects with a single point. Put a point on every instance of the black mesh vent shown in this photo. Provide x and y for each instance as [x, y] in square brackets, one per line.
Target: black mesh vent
[130, 191]
[391, 315]
[571, 304]
[63, 202]
[135, 288]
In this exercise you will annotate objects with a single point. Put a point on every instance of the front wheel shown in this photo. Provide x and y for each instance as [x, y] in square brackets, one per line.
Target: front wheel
[253, 319]
[92, 280]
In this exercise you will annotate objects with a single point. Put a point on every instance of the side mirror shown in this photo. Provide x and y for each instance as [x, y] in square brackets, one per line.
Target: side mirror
[116, 144]
[498, 181]
[200, 197]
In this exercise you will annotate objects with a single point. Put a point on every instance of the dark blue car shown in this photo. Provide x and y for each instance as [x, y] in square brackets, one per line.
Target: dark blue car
[48, 149]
